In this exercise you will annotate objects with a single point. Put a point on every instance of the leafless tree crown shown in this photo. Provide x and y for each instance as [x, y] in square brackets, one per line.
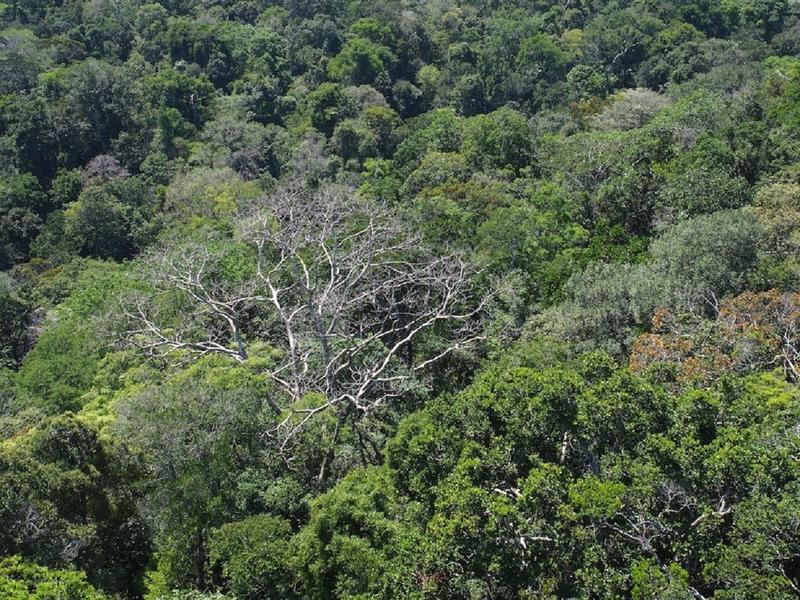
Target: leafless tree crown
[350, 285]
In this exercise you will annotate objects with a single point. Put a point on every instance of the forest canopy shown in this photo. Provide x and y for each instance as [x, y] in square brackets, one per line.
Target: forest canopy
[383, 299]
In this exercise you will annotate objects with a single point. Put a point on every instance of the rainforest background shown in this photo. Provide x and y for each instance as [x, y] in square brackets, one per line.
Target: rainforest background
[399, 299]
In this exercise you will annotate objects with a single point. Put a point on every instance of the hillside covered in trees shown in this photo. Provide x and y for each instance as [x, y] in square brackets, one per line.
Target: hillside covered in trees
[399, 299]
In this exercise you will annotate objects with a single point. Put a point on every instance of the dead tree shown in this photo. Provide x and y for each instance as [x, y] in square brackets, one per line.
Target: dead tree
[352, 288]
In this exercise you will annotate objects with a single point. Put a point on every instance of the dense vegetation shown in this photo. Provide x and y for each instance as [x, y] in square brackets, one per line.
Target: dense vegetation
[458, 299]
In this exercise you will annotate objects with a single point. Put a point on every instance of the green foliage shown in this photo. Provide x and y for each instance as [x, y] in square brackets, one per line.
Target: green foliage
[350, 547]
[716, 254]
[21, 205]
[75, 493]
[60, 368]
[619, 177]
[253, 557]
[691, 266]
[361, 61]
[87, 107]
[197, 432]
[14, 316]
[23, 581]
[328, 104]
[514, 497]
[207, 198]
[98, 225]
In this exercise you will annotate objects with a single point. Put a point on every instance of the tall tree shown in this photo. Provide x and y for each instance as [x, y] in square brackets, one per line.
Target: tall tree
[351, 289]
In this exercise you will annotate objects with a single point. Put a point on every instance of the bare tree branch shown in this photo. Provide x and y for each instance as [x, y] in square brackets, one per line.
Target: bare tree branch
[350, 285]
